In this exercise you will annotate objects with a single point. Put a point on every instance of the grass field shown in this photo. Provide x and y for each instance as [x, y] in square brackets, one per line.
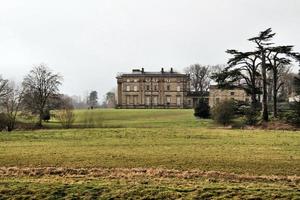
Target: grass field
[130, 118]
[152, 153]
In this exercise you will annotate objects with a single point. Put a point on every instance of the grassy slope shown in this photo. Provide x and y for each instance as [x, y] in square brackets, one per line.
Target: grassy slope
[143, 188]
[254, 152]
[150, 138]
[139, 118]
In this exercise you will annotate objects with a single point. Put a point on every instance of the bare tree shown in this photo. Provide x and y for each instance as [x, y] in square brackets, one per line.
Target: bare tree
[40, 84]
[200, 77]
[4, 89]
[11, 104]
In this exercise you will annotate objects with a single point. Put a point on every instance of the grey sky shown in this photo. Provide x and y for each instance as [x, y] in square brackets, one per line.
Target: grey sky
[90, 41]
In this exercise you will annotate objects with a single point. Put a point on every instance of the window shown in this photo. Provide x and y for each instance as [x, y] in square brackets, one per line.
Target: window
[128, 80]
[127, 100]
[155, 87]
[231, 93]
[168, 87]
[189, 102]
[155, 100]
[148, 87]
[168, 99]
[218, 100]
[178, 88]
[178, 101]
[135, 100]
[135, 88]
[147, 100]
[136, 80]
[127, 88]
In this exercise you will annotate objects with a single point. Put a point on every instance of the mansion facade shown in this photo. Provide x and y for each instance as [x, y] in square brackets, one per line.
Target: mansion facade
[166, 89]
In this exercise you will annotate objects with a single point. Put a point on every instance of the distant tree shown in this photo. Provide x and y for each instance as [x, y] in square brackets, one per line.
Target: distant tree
[202, 109]
[253, 67]
[4, 121]
[11, 104]
[110, 99]
[294, 116]
[242, 72]
[40, 85]
[279, 63]
[199, 77]
[4, 89]
[93, 99]
[224, 112]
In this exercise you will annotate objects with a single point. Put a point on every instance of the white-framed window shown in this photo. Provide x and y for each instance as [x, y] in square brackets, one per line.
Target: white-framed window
[135, 88]
[128, 80]
[168, 87]
[128, 88]
[136, 80]
[178, 88]
[178, 101]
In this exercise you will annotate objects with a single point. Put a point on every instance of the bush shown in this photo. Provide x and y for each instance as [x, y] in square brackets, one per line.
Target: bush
[224, 112]
[66, 117]
[251, 116]
[202, 109]
[292, 116]
[46, 115]
[4, 121]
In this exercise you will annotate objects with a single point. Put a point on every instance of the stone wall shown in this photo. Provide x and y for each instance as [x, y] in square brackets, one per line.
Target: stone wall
[218, 95]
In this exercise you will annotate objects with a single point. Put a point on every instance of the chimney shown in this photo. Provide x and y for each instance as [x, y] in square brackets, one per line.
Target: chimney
[162, 70]
[143, 70]
[171, 69]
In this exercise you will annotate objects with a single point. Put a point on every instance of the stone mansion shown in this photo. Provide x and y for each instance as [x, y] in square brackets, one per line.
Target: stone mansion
[165, 89]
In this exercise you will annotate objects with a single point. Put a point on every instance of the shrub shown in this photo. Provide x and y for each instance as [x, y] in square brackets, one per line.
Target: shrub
[4, 121]
[202, 110]
[292, 116]
[46, 115]
[223, 112]
[251, 116]
[66, 117]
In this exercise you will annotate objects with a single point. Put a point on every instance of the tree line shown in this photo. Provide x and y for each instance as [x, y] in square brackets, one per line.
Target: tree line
[264, 73]
[35, 96]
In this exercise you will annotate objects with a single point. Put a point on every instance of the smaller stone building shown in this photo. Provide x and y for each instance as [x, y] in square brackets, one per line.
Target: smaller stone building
[217, 95]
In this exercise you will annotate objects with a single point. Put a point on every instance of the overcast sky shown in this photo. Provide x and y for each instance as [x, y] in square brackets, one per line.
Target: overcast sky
[90, 41]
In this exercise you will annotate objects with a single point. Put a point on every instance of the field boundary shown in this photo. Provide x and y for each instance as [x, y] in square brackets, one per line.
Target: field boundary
[115, 173]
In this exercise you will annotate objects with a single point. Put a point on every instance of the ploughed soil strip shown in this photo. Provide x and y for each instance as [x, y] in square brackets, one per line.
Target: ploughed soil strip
[115, 173]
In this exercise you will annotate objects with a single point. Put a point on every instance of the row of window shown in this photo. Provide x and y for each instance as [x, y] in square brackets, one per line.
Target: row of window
[148, 88]
[153, 80]
[134, 100]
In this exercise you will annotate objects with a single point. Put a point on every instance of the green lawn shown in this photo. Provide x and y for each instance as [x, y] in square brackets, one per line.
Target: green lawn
[150, 139]
[253, 152]
[134, 118]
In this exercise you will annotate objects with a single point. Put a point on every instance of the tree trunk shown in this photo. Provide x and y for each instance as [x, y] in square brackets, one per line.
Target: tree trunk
[39, 123]
[275, 112]
[265, 114]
